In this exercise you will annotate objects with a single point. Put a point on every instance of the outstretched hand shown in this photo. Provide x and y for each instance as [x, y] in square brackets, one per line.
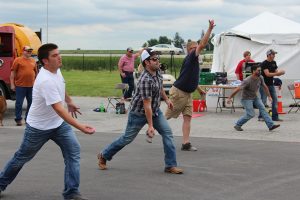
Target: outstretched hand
[73, 109]
[88, 129]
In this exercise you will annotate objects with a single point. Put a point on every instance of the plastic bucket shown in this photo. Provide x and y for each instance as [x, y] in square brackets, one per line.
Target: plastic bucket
[202, 106]
[297, 89]
[196, 104]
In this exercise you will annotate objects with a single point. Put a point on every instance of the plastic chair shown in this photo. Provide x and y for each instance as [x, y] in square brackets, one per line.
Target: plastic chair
[291, 88]
[113, 100]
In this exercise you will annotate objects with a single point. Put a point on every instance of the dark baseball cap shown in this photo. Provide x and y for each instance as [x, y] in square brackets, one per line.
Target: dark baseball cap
[271, 51]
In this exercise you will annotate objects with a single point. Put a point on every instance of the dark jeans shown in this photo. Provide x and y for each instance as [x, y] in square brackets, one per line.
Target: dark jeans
[274, 102]
[130, 81]
[21, 93]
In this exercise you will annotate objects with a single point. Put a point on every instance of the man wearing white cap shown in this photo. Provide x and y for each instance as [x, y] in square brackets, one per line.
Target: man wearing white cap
[23, 73]
[270, 69]
[144, 109]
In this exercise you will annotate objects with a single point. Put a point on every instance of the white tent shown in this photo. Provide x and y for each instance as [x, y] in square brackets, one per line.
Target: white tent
[263, 32]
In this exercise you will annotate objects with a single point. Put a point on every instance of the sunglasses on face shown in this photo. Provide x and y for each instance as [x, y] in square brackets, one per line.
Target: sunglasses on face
[155, 59]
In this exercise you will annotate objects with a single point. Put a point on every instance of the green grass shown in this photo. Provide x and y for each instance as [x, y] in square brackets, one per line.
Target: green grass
[92, 83]
[93, 51]
[86, 63]
[95, 83]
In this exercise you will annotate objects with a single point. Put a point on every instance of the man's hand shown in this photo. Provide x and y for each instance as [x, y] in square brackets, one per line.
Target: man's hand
[123, 74]
[87, 129]
[211, 24]
[13, 87]
[73, 109]
[270, 98]
[151, 131]
[280, 72]
[169, 104]
[229, 100]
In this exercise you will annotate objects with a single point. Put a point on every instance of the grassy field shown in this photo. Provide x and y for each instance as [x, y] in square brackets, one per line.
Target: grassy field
[86, 63]
[94, 83]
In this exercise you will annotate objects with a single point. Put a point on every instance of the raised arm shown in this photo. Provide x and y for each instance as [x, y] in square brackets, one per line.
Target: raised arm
[205, 38]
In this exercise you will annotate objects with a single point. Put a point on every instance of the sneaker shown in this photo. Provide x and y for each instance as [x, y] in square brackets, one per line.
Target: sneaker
[261, 119]
[188, 147]
[101, 162]
[278, 120]
[77, 197]
[238, 128]
[173, 170]
[19, 122]
[274, 126]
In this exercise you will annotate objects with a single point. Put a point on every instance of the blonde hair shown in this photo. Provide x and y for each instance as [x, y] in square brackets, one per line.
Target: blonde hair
[189, 44]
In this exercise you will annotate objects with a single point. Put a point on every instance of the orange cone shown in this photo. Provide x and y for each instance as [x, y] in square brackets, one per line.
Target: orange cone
[279, 102]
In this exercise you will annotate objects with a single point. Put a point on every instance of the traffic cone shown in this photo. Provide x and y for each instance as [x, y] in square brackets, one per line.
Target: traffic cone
[279, 102]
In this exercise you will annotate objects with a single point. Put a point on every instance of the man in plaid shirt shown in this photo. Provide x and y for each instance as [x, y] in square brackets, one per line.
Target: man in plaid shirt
[145, 109]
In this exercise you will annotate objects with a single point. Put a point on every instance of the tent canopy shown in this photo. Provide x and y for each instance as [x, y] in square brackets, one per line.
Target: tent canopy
[259, 34]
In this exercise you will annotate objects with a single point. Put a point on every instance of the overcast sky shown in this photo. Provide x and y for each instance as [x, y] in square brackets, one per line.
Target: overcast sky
[117, 24]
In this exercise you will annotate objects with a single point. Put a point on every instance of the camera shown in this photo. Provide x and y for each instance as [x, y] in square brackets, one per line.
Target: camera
[163, 66]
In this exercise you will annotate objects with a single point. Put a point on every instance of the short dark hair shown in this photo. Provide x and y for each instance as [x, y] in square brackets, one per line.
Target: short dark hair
[44, 50]
[254, 68]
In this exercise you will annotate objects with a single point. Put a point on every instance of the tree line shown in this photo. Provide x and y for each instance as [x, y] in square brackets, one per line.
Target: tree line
[177, 41]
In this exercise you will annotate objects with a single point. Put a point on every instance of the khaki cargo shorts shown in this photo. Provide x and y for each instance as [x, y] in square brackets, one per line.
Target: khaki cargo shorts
[182, 102]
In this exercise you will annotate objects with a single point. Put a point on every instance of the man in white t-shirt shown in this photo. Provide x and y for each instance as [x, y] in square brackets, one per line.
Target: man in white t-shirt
[49, 120]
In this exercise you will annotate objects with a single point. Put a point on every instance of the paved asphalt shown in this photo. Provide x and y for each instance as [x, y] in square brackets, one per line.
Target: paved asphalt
[252, 165]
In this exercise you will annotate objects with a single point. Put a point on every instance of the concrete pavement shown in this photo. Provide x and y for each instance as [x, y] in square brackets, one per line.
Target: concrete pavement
[254, 164]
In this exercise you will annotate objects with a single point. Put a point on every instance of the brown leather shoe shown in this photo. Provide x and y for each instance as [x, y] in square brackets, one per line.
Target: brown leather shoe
[101, 162]
[173, 170]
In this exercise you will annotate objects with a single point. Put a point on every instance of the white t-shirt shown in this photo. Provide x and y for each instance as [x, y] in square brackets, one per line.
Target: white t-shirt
[48, 89]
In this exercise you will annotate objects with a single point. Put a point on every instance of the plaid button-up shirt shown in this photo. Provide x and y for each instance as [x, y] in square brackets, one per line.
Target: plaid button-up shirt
[148, 87]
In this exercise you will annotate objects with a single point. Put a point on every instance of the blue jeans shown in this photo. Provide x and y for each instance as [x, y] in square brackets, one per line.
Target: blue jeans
[274, 102]
[250, 113]
[130, 81]
[135, 123]
[32, 142]
[21, 93]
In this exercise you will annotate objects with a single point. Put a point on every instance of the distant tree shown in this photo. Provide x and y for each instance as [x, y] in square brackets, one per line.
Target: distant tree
[152, 42]
[210, 46]
[164, 40]
[145, 44]
[202, 34]
[178, 40]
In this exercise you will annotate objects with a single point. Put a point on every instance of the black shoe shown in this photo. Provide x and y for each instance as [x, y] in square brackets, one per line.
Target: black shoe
[238, 128]
[188, 147]
[77, 197]
[278, 120]
[274, 126]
